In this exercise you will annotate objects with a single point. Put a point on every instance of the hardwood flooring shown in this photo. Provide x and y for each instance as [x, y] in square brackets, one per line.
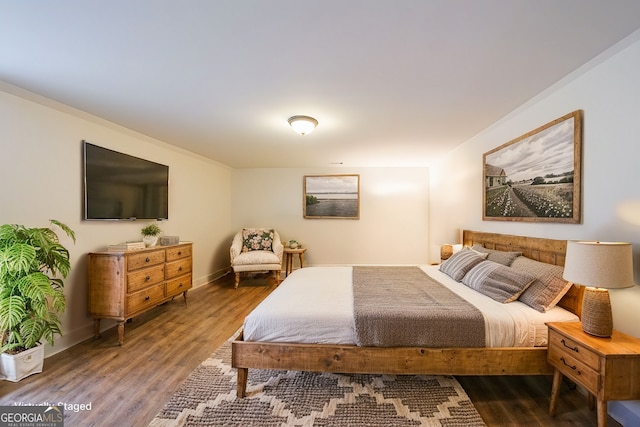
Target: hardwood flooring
[128, 385]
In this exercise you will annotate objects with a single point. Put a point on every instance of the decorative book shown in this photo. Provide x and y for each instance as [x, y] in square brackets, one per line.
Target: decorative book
[127, 246]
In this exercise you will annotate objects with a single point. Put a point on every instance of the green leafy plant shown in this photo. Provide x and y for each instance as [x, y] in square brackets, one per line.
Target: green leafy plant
[31, 289]
[150, 230]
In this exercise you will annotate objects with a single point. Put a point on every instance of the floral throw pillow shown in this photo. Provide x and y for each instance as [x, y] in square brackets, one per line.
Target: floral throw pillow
[257, 239]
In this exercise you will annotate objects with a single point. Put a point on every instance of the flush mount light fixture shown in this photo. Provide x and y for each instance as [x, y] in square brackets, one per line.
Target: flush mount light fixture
[303, 124]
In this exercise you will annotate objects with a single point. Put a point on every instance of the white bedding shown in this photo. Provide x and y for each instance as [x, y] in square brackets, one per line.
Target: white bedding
[314, 305]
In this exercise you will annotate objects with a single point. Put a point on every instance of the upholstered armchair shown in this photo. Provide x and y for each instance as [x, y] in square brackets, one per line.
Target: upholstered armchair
[256, 249]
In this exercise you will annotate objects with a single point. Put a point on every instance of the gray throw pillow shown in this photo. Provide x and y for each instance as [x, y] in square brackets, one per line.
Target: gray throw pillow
[499, 282]
[460, 263]
[549, 286]
[501, 257]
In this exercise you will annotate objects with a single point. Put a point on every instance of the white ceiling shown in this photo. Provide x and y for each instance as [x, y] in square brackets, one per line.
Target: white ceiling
[392, 83]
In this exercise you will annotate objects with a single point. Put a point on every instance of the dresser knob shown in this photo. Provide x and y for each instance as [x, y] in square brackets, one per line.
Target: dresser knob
[179, 253]
[147, 278]
[147, 259]
[146, 298]
[180, 268]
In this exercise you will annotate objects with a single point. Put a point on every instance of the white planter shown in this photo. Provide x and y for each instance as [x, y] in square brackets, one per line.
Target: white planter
[14, 367]
[150, 240]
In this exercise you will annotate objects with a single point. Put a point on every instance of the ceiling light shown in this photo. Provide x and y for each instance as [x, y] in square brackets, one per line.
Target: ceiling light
[303, 124]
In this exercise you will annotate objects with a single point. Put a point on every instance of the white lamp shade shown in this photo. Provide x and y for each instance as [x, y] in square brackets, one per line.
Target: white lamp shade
[599, 264]
[303, 124]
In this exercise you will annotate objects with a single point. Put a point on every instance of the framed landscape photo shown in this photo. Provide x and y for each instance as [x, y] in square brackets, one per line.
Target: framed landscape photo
[536, 177]
[331, 196]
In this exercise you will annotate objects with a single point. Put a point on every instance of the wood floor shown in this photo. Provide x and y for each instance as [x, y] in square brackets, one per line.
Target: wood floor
[128, 385]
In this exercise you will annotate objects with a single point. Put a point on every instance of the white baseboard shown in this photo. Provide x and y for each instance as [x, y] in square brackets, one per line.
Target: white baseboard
[626, 412]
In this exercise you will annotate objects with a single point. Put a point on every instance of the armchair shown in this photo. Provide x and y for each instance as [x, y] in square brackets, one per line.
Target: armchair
[256, 249]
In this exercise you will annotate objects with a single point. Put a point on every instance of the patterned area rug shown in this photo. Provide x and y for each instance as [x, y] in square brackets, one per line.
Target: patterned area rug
[291, 398]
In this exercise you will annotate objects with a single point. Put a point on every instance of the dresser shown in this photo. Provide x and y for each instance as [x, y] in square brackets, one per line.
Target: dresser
[125, 284]
[609, 368]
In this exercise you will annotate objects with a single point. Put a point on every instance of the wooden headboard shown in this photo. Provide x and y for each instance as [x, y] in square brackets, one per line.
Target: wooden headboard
[550, 251]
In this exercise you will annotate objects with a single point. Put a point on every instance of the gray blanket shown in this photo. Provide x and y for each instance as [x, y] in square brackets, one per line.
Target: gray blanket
[405, 307]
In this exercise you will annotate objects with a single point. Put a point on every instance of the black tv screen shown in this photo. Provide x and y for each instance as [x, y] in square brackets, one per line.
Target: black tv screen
[118, 186]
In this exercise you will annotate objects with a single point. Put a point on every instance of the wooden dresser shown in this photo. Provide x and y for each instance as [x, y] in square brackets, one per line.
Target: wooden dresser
[125, 284]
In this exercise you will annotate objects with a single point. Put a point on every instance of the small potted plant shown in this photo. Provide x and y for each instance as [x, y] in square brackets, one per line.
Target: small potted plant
[293, 244]
[33, 265]
[150, 234]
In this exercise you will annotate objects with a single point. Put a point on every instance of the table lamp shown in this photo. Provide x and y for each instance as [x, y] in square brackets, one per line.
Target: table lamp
[598, 266]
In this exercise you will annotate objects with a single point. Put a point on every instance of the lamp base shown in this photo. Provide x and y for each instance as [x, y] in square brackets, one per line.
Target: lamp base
[445, 252]
[596, 313]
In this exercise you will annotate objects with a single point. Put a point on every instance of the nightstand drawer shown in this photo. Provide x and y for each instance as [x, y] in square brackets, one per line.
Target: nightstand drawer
[574, 349]
[573, 367]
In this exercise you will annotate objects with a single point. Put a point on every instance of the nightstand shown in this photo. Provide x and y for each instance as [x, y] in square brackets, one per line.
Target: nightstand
[609, 368]
[288, 258]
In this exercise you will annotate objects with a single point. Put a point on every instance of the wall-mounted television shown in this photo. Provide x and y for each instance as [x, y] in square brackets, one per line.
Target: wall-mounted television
[118, 186]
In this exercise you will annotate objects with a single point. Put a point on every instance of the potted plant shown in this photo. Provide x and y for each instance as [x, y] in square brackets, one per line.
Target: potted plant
[293, 244]
[150, 234]
[33, 265]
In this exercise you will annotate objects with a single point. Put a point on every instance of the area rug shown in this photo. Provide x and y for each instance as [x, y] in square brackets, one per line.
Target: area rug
[292, 398]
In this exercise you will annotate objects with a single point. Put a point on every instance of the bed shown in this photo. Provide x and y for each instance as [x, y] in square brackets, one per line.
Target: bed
[333, 349]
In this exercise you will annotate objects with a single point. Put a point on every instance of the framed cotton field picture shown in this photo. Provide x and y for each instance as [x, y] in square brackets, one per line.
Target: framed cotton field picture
[331, 196]
[536, 177]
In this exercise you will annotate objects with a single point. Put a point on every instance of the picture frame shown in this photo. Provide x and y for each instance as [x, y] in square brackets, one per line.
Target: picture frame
[536, 177]
[331, 196]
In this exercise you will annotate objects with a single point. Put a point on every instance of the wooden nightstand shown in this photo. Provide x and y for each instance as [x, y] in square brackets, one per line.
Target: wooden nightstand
[288, 259]
[609, 368]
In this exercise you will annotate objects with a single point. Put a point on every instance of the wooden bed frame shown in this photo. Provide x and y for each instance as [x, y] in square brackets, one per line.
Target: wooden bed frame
[416, 360]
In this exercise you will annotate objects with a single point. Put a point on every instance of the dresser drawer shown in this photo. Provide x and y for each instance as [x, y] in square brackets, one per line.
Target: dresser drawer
[178, 268]
[573, 368]
[145, 298]
[179, 285]
[145, 259]
[146, 277]
[174, 253]
[576, 350]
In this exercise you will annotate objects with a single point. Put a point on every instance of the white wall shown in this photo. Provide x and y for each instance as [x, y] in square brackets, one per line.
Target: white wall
[393, 224]
[41, 178]
[608, 92]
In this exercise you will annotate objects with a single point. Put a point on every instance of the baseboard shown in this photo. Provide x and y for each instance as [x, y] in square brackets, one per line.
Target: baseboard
[69, 339]
[209, 278]
[625, 412]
